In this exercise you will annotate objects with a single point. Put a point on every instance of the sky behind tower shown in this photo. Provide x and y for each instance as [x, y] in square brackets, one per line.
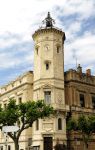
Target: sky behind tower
[20, 18]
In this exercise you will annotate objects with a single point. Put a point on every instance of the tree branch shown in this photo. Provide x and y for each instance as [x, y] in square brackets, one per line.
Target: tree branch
[11, 136]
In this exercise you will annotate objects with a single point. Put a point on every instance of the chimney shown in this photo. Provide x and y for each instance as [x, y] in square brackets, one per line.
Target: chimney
[88, 72]
[79, 69]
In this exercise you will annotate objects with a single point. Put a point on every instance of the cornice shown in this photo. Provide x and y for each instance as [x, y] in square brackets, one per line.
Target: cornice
[46, 30]
[15, 88]
[79, 82]
[43, 79]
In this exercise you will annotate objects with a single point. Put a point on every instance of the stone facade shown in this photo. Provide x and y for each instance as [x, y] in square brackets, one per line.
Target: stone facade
[21, 90]
[80, 91]
[80, 96]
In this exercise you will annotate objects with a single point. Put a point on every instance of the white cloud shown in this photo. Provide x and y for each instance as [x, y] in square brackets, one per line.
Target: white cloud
[84, 8]
[83, 49]
[20, 18]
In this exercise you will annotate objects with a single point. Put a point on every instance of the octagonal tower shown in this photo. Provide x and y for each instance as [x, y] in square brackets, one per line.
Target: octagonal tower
[49, 83]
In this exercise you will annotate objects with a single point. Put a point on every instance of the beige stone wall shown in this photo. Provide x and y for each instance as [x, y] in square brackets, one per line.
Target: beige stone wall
[76, 84]
[22, 87]
[49, 48]
[47, 41]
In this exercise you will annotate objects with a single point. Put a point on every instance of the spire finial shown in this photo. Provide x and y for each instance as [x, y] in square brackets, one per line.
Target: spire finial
[49, 21]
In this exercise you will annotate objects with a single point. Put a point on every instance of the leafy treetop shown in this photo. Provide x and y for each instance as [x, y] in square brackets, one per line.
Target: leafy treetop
[23, 115]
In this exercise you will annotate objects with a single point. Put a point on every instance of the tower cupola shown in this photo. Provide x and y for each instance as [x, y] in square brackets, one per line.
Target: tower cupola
[48, 21]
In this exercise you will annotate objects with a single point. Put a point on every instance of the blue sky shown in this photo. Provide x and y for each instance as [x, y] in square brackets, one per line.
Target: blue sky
[20, 18]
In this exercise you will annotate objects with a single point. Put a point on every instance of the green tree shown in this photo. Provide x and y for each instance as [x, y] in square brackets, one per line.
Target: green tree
[85, 125]
[23, 115]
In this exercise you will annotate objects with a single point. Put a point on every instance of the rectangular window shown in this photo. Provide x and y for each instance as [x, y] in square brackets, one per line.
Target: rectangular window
[1, 147]
[29, 141]
[82, 103]
[35, 147]
[9, 147]
[37, 124]
[59, 124]
[93, 102]
[47, 96]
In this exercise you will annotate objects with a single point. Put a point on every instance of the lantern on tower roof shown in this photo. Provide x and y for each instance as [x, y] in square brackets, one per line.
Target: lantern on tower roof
[48, 21]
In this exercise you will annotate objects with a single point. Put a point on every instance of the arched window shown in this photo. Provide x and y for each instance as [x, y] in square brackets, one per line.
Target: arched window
[47, 63]
[46, 47]
[19, 100]
[59, 124]
[37, 49]
[47, 66]
[58, 48]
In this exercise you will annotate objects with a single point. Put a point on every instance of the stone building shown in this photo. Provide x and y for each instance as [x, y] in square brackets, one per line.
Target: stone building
[47, 82]
[80, 90]
[71, 92]
[80, 96]
[20, 89]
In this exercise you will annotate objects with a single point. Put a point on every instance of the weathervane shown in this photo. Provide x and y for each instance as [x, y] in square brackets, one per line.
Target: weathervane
[48, 21]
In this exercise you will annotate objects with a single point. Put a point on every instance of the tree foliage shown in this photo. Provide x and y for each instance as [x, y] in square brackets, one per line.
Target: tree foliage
[85, 125]
[23, 115]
